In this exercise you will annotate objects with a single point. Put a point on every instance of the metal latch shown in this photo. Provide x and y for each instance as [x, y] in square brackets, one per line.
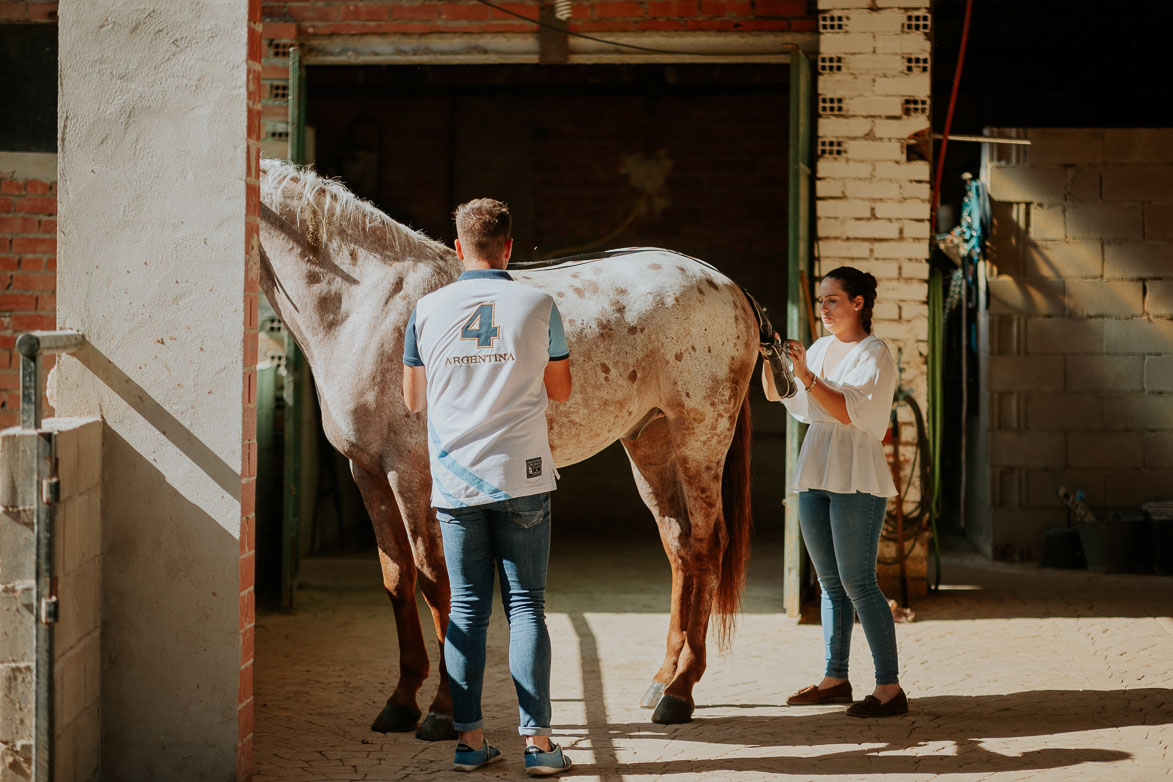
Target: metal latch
[51, 491]
[49, 610]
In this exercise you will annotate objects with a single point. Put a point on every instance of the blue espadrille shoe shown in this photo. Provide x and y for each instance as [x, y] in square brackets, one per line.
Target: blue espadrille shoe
[469, 759]
[540, 764]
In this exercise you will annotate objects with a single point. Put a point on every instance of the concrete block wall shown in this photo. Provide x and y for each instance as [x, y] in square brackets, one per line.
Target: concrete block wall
[1081, 327]
[17, 596]
[77, 568]
[872, 190]
[28, 263]
[77, 634]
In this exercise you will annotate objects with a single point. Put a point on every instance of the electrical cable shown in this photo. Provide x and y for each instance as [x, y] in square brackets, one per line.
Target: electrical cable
[565, 29]
[949, 115]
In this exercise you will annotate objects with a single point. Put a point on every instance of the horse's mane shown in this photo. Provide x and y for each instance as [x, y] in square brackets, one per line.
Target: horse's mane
[298, 192]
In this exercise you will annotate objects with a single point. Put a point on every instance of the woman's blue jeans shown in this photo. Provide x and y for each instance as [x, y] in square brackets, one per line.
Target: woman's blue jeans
[842, 534]
[511, 537]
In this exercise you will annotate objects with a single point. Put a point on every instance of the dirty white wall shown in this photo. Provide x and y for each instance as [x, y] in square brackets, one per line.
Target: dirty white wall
[152, 167]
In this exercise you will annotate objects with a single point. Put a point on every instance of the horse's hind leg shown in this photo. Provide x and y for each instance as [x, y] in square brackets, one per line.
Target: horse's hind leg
[678, 472]
[700, 457]
[401, 713]
[653, 464]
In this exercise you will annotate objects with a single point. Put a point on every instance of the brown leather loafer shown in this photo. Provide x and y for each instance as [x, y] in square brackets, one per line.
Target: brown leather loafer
[872, 707]
[809, 696]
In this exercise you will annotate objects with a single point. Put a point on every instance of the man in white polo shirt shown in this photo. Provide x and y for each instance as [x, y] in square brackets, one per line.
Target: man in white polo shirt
[482, 356]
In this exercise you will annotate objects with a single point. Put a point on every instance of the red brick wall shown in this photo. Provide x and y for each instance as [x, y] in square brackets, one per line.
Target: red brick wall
[28, 276]
[325, 17]
[248, 467]
[13, 11]
[28, 251]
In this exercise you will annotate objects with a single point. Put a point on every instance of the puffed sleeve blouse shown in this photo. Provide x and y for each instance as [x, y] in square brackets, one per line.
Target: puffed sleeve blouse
[847, 458]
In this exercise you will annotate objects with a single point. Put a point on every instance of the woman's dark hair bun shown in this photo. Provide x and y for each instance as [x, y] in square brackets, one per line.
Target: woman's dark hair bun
[858, 283]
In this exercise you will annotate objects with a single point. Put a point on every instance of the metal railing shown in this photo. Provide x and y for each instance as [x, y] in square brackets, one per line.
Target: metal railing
[32, 345]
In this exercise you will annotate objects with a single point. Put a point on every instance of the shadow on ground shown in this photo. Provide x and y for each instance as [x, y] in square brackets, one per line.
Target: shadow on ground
[964, 722]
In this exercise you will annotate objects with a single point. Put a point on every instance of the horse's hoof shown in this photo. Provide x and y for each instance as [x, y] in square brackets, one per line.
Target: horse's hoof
[652, 696]
[672, 711]
[396, 718]
[436, 727]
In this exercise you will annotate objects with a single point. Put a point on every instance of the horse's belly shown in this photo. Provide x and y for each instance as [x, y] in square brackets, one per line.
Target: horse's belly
[592, 419]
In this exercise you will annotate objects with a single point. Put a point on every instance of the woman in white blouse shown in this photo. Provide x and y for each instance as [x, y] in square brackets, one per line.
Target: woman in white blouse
[843, 483]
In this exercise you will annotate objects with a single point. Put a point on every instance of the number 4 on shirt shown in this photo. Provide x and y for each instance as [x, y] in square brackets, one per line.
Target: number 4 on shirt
[481, 327]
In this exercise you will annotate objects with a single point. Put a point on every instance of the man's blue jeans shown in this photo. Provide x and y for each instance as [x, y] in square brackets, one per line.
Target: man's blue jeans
[842, 534]
[513, 538]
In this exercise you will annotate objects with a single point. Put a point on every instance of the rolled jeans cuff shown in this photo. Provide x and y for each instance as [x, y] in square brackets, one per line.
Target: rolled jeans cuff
[524, 731]
[464, 727]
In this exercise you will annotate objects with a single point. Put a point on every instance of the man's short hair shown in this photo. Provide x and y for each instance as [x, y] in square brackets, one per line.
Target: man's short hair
[483, 226]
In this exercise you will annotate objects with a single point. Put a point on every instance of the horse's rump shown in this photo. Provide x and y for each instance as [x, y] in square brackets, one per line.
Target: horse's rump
[648, 329]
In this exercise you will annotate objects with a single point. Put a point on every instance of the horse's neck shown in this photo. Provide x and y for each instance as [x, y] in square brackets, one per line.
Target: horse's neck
[317, 289]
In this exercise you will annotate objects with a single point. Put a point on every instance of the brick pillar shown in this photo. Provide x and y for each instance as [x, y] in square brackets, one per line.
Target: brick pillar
[248, 462]
[872, 181]
[277, 39]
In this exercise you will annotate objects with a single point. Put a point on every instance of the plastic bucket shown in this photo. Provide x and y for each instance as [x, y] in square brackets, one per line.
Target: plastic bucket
[1117, 542]
[1161, 535]
[1062, 549]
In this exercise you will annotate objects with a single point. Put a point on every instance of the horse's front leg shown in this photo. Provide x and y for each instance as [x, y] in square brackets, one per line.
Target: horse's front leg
[401, 712]
[413, 491]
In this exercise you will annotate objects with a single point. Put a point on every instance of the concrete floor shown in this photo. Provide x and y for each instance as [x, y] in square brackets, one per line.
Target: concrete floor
[1013, 672]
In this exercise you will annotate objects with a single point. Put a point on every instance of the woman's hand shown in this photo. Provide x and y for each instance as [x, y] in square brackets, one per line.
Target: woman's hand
[797, 355]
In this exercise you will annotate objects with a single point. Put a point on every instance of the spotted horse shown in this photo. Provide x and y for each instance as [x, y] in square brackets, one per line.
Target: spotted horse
[663, 348]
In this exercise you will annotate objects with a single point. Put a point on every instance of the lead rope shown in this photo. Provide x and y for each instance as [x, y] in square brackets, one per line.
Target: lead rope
[771, 349]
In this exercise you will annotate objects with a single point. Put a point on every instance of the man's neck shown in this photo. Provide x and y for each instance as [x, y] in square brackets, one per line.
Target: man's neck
[473, 264]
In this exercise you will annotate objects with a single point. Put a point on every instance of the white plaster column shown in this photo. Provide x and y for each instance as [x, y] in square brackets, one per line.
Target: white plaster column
[152, 261]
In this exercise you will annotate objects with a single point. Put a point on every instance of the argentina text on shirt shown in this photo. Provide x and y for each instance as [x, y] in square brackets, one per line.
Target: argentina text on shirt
[488, 358]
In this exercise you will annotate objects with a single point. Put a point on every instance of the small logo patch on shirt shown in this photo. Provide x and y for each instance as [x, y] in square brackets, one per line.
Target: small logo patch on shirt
[533, 467]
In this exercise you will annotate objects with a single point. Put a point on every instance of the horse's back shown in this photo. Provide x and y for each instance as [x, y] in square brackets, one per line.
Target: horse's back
[647, 329]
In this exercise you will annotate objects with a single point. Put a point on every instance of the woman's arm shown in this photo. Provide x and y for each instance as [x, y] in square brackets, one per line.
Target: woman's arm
[830, 399]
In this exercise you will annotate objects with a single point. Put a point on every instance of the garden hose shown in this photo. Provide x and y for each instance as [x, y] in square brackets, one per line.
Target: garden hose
[936, 403]
[918, 518]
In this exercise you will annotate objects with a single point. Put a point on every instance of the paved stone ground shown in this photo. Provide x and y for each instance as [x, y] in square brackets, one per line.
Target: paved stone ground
[1013, 673]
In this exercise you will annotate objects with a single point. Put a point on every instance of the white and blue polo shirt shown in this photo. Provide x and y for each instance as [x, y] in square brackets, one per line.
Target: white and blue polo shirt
[485, 341]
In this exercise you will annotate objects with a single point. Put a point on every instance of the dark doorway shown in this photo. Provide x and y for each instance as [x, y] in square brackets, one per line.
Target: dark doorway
[692, 158]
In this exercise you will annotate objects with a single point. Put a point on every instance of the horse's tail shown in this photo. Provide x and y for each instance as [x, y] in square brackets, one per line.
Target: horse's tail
[735, 506]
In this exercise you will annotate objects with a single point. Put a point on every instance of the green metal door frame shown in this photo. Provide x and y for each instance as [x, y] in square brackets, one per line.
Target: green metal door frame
[799, 244]
[294, 368]
[798, 270]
